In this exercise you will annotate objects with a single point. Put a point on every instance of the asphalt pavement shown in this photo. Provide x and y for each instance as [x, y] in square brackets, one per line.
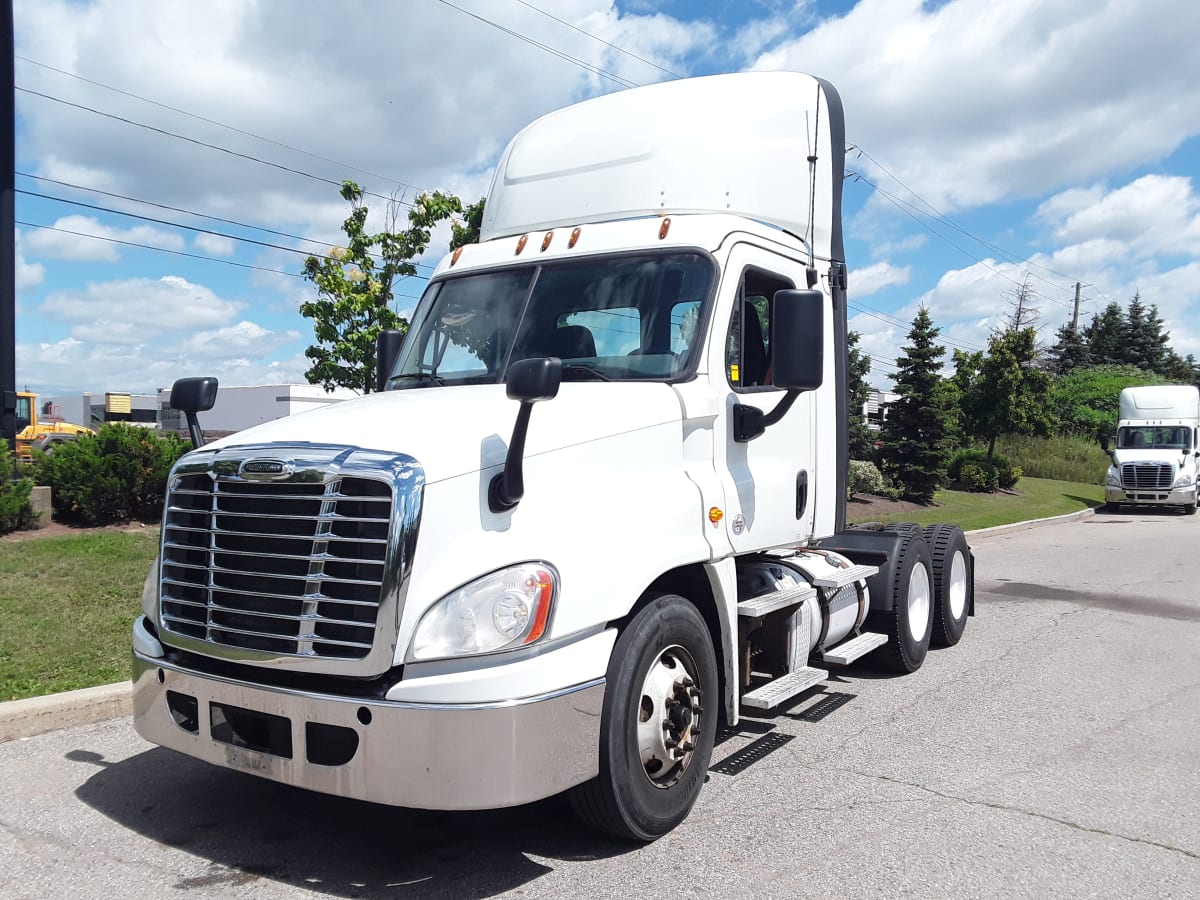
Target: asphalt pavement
[1052, 753]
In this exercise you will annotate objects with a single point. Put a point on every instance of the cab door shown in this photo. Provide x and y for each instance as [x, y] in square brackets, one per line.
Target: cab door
[770, 481]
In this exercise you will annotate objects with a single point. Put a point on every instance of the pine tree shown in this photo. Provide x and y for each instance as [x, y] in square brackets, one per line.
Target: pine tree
[1156, 342]
[914, 435]
[857, 390]
[1105, 336]
[1070, 351]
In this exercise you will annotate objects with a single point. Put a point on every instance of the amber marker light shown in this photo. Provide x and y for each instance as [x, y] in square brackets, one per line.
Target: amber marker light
[547, 239]
[575, 232]
[457, 254]
[664, 228]
[715, 514]
[524, 239]
[545, 587]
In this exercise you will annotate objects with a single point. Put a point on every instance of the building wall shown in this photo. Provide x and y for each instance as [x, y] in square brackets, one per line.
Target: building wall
[241, 407]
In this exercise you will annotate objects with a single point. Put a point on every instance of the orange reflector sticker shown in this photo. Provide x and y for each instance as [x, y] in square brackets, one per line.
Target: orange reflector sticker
[521, 243]
[547, 239]
[715, 515]
[574, 238]
[664, 228]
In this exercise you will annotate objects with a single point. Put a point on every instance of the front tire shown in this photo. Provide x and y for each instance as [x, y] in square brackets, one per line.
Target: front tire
[951, 582]
[658, 724]
[909, 623]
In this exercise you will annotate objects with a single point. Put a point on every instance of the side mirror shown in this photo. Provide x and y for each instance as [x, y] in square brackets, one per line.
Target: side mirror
[528, 381]
[387, 351]
[798, 340]
[1104, 442]
[193, 395]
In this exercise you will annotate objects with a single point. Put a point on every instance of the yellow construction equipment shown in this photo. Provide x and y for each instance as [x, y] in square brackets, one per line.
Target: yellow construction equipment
[43, 434]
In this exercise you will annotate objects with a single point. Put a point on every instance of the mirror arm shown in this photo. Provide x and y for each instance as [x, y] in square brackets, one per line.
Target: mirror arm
[508, 487]
[749, 421]
[193, 423]
[780, 409]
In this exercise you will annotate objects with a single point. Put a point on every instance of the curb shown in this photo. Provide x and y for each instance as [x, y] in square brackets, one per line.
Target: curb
[1032, 523]
[38, 715]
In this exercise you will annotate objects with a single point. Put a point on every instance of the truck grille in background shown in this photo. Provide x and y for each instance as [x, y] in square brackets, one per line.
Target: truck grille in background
[289, 568]
[1146, 476]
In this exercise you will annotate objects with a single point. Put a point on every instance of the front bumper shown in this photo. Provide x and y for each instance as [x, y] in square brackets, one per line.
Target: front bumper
[1178, 497]
[429, 756]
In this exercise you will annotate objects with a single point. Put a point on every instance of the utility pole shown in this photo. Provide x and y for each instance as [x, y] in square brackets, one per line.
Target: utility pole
[8, 235]
[1075, 316]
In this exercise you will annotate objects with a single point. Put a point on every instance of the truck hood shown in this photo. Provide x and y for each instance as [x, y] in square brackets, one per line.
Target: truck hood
[1135, 455]
[451, 431]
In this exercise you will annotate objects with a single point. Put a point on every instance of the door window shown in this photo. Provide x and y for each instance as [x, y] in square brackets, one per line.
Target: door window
[748, 347]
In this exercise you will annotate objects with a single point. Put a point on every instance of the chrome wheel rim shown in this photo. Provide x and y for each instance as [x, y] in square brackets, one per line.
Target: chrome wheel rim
[918, 602]
[668, 716]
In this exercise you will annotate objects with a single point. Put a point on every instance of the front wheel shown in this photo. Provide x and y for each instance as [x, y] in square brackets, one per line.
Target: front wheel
[658, 724]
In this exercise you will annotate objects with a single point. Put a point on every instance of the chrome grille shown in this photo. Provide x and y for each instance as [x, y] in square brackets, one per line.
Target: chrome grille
[1146, 476]
[292, 568]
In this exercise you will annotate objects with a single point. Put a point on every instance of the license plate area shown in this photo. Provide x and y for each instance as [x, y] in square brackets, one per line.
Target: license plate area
[251, 730]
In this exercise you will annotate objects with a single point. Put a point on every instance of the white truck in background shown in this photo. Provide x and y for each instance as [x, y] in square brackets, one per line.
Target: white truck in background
[474, 603]
[1154, 460]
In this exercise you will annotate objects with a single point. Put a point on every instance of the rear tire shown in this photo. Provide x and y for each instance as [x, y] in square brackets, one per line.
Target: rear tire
[951, 558]
[658, 725]
[909, 623]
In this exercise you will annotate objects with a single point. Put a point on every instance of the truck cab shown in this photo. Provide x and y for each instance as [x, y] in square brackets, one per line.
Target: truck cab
[598, 505]
[1154, 457]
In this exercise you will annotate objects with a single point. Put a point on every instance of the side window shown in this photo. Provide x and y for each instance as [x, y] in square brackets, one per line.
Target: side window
[748, 347]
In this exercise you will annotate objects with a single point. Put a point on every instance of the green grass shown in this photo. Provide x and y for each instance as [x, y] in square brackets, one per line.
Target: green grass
[1035, 498]
[66, 607]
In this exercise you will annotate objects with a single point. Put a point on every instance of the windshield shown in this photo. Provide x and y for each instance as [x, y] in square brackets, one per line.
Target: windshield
[626, 318]
[1154, 437]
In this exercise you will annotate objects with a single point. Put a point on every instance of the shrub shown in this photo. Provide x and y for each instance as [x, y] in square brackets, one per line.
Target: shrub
[999, 473]
[114, 476]
[16, 512]
[1061, 458]
[864, 478]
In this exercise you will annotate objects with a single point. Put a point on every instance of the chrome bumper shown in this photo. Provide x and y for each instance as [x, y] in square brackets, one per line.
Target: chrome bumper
[1162, 497]
[454, 757]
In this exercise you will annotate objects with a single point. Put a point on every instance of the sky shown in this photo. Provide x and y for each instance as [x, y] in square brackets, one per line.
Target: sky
[176, 161]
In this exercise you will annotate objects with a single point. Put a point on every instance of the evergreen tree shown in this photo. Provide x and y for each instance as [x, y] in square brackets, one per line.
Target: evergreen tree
[1023, 309]
[1136, 344]
[858, 367]
[1070, 351]
[1105, 336]
[1156, 342]
[913, 454]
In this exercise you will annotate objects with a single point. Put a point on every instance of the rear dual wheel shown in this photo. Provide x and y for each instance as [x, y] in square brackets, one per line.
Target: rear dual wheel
[951, 562]
[909, 623]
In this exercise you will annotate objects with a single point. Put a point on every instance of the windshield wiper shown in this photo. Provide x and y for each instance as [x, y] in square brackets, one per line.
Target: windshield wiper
[586, 371]
[423, 376]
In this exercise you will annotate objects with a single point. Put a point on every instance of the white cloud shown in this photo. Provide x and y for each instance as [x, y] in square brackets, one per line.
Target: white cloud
[214, 244]
[874, 278]
[28, 275]
[71, 242]
[134, 310]
[971, 101]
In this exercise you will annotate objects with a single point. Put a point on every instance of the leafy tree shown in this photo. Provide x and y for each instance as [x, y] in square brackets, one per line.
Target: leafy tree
[857, 390]
[467, 231]
[355, 284]
[1085, 400]
[913, 452]
[1003, 392]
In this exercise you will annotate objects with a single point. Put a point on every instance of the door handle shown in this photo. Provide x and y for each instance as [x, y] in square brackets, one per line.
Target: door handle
[801, 493]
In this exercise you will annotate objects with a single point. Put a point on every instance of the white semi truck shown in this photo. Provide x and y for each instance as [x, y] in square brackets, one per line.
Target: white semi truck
[474, 603]
[1154, 461]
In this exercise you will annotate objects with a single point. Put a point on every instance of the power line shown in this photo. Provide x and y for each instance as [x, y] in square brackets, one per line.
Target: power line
[628, 53]
[97, 237]
[906, 209]
[200, 118]
[891, 320]
[200, 143]
[595, 70]
[938, 214]
[209, 231]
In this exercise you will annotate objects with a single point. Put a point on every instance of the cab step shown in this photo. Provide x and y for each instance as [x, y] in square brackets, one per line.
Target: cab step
[758, 607]
[783, 688]
[843, 577]
[854, 648]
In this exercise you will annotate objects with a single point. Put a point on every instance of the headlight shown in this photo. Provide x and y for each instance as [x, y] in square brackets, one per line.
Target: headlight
[150, 592]
[506, 609]
[1184, 480]
[1113, 478]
